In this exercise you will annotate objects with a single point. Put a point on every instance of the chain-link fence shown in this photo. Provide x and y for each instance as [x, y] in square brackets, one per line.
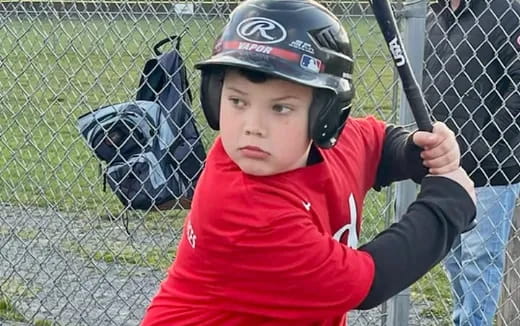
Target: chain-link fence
[70, 252]
[471, 80]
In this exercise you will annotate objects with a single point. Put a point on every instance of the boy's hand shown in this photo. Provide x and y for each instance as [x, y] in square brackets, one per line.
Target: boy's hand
[441, 153]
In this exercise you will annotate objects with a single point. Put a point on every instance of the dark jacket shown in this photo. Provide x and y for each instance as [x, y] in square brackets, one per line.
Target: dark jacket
[471, 81]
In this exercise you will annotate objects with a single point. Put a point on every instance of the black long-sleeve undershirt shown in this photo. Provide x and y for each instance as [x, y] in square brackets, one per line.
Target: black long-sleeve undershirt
[400, 158]
[408, 249]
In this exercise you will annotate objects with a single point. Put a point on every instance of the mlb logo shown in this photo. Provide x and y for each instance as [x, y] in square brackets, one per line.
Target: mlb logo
[310, 63]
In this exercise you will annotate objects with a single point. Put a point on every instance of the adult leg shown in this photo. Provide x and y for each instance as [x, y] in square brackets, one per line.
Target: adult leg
[482, 256]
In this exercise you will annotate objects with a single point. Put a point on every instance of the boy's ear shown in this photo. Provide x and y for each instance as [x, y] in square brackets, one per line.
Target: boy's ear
[210, 94]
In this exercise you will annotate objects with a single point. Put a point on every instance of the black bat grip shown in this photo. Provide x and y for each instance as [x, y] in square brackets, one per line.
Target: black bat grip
[418, 107]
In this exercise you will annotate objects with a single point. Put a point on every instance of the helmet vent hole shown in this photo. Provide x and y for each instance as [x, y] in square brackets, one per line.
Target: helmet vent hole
[325, 38]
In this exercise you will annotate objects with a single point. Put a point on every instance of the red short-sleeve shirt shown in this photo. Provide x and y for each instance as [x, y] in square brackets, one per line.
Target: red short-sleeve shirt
[275, 250]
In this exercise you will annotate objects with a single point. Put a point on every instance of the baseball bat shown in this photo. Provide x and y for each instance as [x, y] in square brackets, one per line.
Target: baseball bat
[386, 21]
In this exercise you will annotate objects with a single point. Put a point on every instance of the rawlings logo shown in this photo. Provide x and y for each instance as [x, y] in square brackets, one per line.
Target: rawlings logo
[261, 30]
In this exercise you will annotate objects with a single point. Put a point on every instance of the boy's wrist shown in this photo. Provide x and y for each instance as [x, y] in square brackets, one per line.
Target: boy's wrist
[451, 197]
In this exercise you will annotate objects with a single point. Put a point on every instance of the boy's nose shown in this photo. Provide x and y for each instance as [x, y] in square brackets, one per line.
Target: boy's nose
[253, 132]
[253, 128]
[253, 125]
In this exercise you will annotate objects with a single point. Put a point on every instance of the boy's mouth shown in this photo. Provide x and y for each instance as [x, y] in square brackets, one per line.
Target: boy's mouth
[253, 152]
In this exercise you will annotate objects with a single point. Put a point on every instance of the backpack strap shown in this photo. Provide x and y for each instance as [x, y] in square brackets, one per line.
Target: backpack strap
[172, 38]
[103, 173]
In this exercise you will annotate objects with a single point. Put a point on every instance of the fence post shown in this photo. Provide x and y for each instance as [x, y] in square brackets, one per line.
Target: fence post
[414, 15]
[510, 303]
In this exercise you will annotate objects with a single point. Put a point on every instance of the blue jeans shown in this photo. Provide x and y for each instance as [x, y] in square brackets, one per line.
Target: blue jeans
[476, 262]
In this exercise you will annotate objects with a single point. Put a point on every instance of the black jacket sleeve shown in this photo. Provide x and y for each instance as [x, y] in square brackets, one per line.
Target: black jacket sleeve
[507, 40]
[408, 249]
[400, 158]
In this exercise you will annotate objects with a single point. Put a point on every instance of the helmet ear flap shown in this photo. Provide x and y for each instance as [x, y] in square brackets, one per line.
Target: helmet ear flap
[328, 115]
[212, 80]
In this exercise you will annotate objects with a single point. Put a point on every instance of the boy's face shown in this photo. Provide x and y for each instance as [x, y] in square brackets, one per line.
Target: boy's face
[264, 126]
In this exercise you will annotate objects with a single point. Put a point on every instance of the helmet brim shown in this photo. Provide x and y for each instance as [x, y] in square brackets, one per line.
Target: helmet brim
[276, 67]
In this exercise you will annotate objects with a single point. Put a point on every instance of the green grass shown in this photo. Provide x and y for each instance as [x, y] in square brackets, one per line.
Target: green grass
[154, 257]
[8, 311]
[128, 252]
[44, 323]
[16, 286]
[434, 290]
[122, 253]
[26, 234]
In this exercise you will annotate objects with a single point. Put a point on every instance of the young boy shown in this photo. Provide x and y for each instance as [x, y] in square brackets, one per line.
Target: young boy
[271, 236]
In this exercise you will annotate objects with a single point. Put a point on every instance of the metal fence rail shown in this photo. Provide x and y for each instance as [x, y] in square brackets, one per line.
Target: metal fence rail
[65, 255]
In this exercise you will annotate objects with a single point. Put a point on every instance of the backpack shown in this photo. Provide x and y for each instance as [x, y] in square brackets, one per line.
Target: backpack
[151, 146]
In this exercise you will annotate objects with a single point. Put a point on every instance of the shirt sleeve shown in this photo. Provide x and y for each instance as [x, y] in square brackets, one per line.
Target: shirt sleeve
[507, 41]
[361, 146]
[400, 160]
[289, 270]
[422, 237]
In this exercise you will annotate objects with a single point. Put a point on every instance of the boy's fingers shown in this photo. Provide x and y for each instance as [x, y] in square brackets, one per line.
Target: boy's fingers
[440, 161]
[425, 139]
[440, 128]
[448, 146]
[435, 152]
[444, 169]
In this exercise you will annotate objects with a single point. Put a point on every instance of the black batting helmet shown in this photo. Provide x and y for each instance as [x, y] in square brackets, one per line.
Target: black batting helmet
[296, 40]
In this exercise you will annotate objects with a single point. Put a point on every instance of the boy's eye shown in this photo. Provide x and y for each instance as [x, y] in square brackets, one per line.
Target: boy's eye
[237, 102]
[280, 108]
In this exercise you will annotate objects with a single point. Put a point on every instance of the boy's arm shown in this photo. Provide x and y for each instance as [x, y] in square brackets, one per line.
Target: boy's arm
[400, 158]
[424, 235]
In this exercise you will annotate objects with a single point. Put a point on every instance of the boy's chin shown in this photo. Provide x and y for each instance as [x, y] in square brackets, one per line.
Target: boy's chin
[258, 169]
[261, 169]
